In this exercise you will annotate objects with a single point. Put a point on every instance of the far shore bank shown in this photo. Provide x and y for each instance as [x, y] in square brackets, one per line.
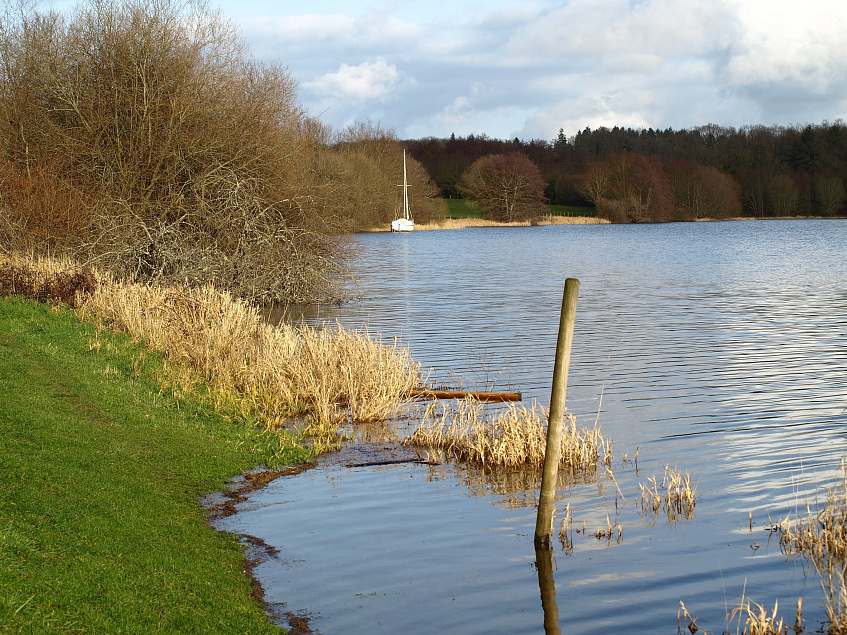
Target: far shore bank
[462, 223]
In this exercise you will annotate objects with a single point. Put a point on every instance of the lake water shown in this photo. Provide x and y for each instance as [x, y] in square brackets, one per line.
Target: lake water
[717, 348]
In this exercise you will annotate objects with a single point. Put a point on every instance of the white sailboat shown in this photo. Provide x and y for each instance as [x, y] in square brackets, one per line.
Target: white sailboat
[403, 221]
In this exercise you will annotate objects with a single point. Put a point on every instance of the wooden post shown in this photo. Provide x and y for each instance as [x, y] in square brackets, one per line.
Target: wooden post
[552, 454]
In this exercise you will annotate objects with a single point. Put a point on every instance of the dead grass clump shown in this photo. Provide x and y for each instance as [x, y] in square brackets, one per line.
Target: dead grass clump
[510, 438]
[46, 280]
[675, 494]
[271, 371]
[821, 536]
[759, 621]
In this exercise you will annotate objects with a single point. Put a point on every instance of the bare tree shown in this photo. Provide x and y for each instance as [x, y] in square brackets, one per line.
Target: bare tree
[595, 183]
[829, 194]
[783, 195]
[703, 191]
[362, 171]
[508, 187]
[183, 158]
[629, 188]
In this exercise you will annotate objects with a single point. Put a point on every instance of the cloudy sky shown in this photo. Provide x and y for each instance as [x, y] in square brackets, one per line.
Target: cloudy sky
[527, 69]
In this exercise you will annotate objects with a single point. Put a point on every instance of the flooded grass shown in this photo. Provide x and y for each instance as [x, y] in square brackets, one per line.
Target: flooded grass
[514, 437]
[760, 621]
[675, 494]
[820, 535]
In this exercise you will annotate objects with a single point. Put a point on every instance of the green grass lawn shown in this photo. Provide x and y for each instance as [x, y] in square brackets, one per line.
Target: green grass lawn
[101, 528]
[460, 208]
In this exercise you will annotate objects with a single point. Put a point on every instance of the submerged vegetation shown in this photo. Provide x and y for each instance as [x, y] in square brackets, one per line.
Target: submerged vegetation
[510, 438]
[675, 494]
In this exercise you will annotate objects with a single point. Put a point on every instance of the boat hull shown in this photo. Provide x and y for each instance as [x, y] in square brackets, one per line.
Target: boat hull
[402, 225]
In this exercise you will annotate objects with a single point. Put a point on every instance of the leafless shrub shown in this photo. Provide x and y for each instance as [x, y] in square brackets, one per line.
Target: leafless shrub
[143, 137]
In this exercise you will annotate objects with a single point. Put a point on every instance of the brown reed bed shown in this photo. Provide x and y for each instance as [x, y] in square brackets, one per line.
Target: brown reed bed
[675, 494]
[821, 536]
[268, 373]
[757, 619]
[516, 436]
[462, 223]
[760, 621]
[46, 279]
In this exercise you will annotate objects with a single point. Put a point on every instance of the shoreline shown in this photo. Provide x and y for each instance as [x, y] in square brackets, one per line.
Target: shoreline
[464, 223]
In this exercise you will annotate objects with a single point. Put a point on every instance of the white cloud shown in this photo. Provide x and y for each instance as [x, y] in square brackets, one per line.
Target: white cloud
[790, 42]
[368, 81]
[508, 67]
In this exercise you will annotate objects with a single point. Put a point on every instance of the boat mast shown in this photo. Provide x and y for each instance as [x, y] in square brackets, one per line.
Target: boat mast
[406, 213]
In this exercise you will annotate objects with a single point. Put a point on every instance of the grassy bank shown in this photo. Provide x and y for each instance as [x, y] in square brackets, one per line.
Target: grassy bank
[266, 374]
[100, 524]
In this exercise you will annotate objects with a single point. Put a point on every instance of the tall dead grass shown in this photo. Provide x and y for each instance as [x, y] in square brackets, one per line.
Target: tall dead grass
[821, 536]
[269, 372]
[273, 371]
[675, 494]
[514, 437]
[45, 279]
[760, 621]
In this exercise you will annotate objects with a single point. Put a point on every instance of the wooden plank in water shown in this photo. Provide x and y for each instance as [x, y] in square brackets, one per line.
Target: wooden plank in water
[429, 393]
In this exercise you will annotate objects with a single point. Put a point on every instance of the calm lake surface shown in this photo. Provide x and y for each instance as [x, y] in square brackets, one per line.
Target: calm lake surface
[717, 348]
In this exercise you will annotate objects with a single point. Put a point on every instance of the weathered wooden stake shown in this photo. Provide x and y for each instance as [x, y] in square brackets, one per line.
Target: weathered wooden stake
[552, 454]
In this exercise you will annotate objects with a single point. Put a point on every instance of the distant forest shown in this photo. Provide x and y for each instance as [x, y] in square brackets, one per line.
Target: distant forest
[633, 175]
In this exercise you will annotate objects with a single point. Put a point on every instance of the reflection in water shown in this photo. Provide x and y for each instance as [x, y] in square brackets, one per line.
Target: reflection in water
[512, 488]
[544, 564]
[718, 349]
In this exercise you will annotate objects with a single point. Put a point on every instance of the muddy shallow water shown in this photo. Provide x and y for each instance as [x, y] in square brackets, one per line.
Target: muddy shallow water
[717, 348]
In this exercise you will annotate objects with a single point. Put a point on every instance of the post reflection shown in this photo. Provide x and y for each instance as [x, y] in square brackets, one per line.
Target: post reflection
[544, 564]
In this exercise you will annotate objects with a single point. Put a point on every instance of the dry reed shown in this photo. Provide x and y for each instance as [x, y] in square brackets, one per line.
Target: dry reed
[462, 223]
[331, 374]
[268, 372]
[759, 621]
[45, 279]
[676, 495]
[821, 536]
[510, 438]
[566, 532]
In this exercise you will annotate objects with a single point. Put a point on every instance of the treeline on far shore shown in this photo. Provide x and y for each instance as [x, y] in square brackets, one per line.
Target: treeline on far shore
[636, 175]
